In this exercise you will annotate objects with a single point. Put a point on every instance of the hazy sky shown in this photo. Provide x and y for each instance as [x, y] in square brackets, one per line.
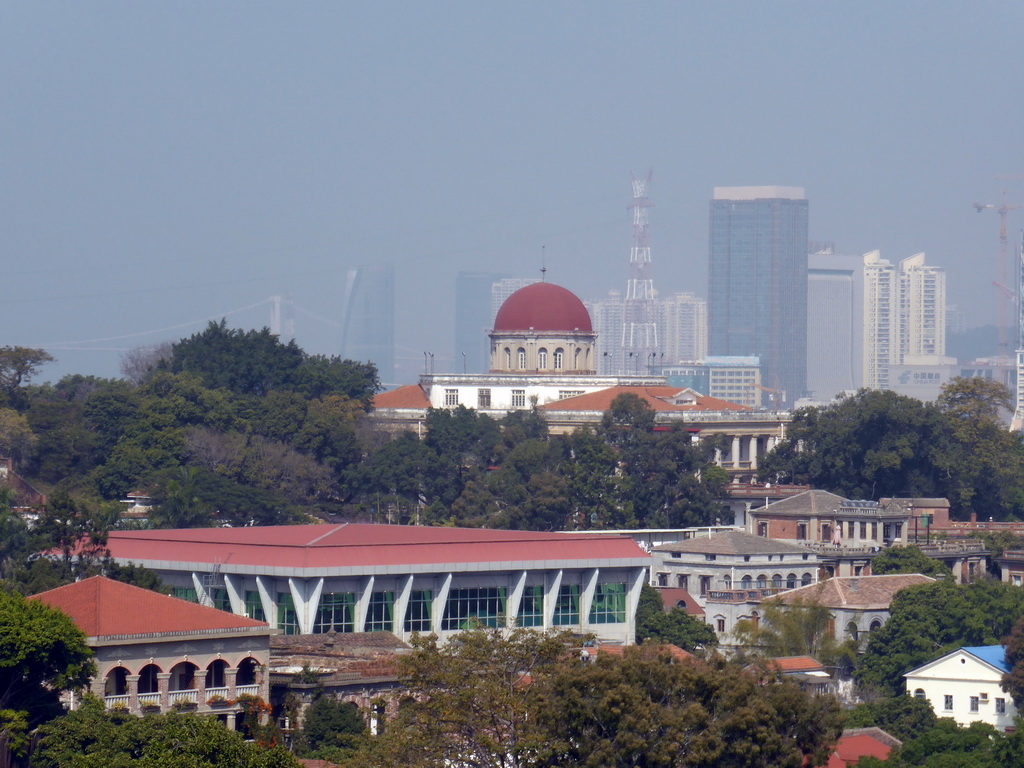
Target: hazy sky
[164, 163]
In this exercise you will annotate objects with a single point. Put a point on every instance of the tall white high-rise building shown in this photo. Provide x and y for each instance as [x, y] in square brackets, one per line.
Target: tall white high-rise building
[608, 316]
[834, 325]
[684, 328]
[904, 316]
[922, 307]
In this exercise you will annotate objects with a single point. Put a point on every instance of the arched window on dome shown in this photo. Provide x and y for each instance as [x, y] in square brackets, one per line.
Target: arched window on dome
[508, 358]
[559, 358]
[576, 359]
[542, 358]
[521, 354]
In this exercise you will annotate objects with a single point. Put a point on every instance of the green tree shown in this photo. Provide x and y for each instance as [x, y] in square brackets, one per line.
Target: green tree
[247, 362]
[908, 560]
[590, 471]
[473, 700]
[878, 444]
[799, 629]
[17, 367]
[16, 541]
[257, 362]
[319, 377]
[647, 710]
[93, 738]
[329, 726]
[42, 653]
[904, 717]
[676, 626]
[178, 505]
[17, 440]
[76, 529]
[1013, 681]
[868, 446]
[981, 462]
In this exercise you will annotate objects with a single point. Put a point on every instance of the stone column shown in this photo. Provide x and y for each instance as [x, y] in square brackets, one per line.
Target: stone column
[753, 451]
[958, 570]
[133, 693]
[230, 673]
[163, 684]
[736, 452]
[200, 679]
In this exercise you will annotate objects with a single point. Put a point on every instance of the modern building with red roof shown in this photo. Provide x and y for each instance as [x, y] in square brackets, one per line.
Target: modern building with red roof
[158, 653]
[352, 577]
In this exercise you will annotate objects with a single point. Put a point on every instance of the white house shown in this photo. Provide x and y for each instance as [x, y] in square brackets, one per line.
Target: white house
[964, 685]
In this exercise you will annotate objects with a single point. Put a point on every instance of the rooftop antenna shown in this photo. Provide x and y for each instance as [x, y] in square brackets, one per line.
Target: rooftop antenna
[543, 264]
[640, 326]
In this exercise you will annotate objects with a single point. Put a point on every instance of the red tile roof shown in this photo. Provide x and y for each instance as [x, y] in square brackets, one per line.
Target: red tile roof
[867, 592]
[359, 545]
[101, 607]
[657, 397]
[795, 664]
[409, 396]
[673, 596]
[857, 743]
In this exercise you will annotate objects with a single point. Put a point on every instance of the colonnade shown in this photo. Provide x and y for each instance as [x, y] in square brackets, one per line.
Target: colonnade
[750, 446]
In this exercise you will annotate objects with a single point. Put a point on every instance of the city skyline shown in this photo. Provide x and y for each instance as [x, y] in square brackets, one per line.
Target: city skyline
[167, 165]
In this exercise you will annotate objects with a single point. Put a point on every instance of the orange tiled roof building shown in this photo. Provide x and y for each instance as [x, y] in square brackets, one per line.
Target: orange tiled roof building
[158, 653]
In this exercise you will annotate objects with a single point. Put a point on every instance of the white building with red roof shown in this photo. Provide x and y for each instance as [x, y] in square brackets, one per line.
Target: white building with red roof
[305, 579]
[159, 653]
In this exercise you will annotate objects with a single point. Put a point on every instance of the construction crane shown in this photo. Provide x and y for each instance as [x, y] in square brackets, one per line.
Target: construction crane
[1004, 269]
[775, 396]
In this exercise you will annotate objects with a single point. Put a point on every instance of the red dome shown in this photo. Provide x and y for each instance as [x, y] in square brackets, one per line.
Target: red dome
[543, 307]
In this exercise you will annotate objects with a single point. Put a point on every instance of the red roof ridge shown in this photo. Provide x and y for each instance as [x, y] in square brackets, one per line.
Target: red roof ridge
[324, 535]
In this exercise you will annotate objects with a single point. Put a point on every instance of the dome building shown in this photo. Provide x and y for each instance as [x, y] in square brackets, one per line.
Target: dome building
[543, 352]
[543, 329]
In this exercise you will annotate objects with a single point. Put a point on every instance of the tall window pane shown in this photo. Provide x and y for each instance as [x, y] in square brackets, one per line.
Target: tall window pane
[477, 605]
[609, 606]
[254, 606]
[531, 608]
[418, 614]
[287, 618]
[335, 612]
[567, 609]
[219, 599]
[380, 615]
[185, 593]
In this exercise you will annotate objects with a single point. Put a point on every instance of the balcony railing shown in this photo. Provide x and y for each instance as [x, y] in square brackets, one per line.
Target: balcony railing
[741, 595]
[247, 690]
[117, 702]
[149, 699]
[211, 692]
[184, 697]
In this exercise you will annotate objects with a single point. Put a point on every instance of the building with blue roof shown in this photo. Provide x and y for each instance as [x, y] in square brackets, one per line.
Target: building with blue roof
[966, 685]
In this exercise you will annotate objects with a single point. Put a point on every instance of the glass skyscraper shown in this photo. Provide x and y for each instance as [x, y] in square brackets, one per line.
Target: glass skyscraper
[757, 297]
[368, 321]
